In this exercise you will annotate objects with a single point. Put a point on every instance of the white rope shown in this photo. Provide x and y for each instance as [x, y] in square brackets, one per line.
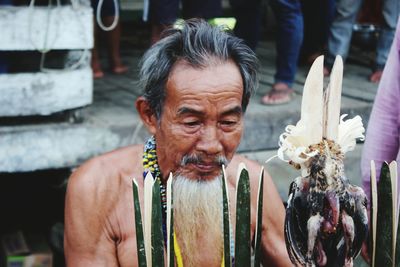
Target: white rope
[146, 7]
[45, 48]
[85, 52]
[99, 20]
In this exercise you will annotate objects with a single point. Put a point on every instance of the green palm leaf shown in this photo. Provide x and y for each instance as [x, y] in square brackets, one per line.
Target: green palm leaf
[226, 220]
[384, 225]
[141, 252]
[157, 237]
[257, 247]
[242, 242]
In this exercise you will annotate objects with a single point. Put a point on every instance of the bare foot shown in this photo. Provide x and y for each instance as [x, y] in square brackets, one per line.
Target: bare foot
[96, 67]
[376, 76]
[121, 69]
[97, 74]
[280, 93]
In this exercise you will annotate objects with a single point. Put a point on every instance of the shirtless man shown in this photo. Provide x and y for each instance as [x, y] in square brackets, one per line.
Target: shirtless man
[197, 84]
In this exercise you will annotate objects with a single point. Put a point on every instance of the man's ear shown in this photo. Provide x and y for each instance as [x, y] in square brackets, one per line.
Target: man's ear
[146, 114]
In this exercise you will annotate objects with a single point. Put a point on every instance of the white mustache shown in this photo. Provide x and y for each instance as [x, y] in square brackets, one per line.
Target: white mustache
[197, 159]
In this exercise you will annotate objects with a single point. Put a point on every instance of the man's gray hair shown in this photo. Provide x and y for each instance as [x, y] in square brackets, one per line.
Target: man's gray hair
[198, 44]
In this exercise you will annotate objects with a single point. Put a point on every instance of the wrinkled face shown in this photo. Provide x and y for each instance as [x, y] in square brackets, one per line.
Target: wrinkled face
[202, 120]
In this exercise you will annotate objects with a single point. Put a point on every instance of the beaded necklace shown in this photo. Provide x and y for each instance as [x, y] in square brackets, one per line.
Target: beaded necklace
[150, 164]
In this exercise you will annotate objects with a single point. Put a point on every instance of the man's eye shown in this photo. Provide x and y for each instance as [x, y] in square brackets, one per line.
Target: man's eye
[228, 123]
[191, 123]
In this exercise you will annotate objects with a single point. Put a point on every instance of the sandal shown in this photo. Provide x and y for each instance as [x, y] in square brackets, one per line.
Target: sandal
[278, 96]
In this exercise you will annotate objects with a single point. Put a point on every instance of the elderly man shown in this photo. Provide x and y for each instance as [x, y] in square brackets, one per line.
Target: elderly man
[197, 84]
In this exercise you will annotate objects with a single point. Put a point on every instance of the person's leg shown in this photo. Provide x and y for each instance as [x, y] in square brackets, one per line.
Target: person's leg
[341, 30]
[289, 39]
[206, 9]
[163, 14]
[329, 16]
[313, 16]
[108, 12]
[318, 17]
[248, 21]
[390, 12]
[113, 44]
[95, 60]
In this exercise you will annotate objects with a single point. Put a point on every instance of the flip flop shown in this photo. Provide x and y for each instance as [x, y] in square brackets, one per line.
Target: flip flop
[284, 96]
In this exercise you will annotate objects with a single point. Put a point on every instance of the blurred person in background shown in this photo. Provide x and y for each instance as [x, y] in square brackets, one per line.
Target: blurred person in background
[289, 20]
[382, 142]
[112, 38]
[164, 13]
[342, 29]
[318, 16]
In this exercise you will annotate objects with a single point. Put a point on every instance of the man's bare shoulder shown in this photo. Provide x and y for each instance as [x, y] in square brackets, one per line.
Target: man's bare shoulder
[253, 167]
[97, 192]
[100, 177]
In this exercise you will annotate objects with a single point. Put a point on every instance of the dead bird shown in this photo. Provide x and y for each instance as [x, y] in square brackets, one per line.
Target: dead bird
[326, 217]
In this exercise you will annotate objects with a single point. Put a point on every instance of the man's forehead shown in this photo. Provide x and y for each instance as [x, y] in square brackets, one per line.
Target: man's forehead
[208, 65]
[203, 79]
[206, 62]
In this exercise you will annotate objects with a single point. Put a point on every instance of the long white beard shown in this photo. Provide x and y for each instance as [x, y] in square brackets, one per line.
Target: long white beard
[198, 218]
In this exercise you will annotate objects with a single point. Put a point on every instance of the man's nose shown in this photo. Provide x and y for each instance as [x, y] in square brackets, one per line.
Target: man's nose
[209, 141]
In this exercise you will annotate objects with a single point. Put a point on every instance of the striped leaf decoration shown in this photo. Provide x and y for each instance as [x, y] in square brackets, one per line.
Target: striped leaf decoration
[170, 225]
[157, 236]
[257, 246]
[138, 225]
[243, 237]
[149, 233]
[373, 211]
[226, 220]
[385, 216]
